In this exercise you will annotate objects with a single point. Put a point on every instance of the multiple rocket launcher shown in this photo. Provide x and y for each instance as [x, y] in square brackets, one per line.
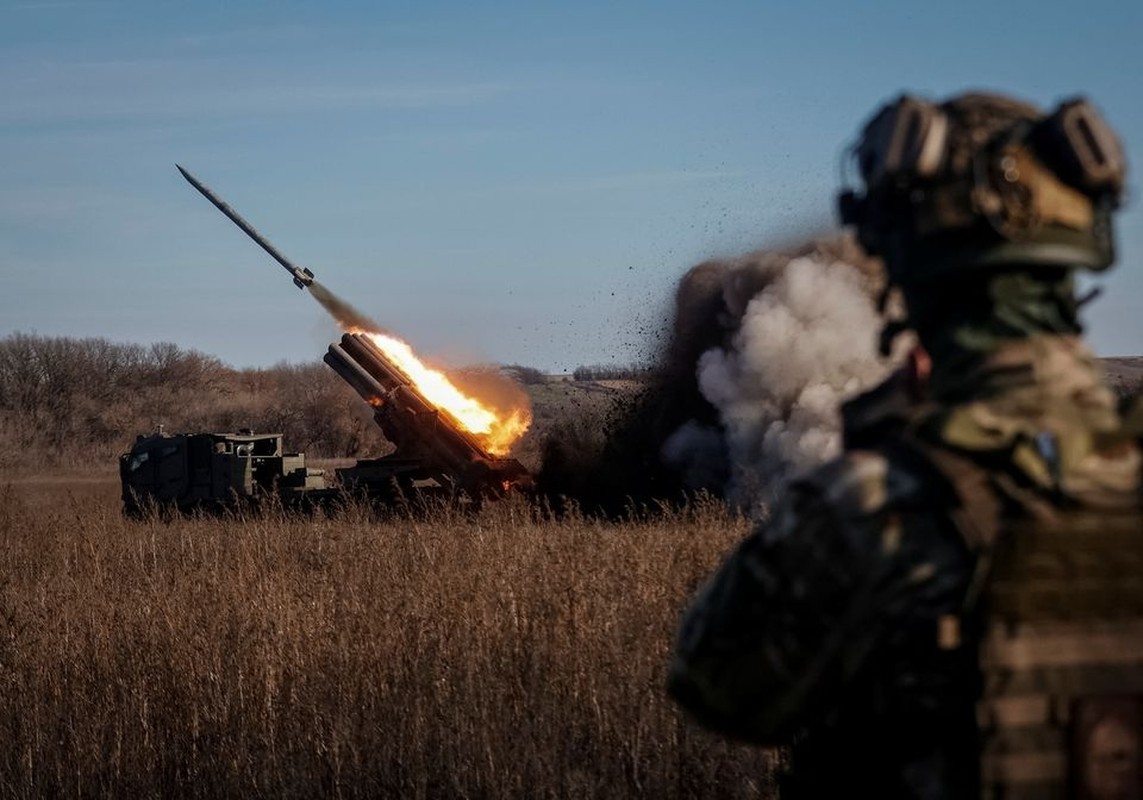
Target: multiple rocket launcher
[430, 445]
[445, 452]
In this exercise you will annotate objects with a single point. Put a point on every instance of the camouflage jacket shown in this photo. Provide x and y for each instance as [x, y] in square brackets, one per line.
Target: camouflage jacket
[845, 626]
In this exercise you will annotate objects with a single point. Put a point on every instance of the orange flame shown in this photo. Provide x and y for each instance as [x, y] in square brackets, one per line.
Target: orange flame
[496, 431]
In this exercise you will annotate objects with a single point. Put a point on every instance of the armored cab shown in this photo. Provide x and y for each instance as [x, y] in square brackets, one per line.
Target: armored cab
[211, 471]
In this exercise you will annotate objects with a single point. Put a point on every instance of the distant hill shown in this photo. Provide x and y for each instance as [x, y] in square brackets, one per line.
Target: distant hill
[1124, 373]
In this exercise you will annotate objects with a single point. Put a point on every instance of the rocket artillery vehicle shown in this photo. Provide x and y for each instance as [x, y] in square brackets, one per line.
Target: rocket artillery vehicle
[434, 454]
[209, 472]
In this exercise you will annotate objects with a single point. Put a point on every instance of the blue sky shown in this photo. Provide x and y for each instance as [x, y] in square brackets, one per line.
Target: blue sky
[504, 181]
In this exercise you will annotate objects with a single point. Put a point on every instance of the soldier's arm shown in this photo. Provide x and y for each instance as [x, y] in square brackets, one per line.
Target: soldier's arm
[800, 607]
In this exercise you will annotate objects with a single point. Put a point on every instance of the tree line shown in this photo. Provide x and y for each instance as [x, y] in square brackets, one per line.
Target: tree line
[75, 401]
[78, 401]
[611, 372]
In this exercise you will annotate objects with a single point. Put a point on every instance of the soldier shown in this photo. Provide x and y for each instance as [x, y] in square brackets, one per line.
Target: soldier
[952, 608]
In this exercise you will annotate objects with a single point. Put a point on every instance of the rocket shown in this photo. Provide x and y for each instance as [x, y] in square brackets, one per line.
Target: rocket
[302, 277]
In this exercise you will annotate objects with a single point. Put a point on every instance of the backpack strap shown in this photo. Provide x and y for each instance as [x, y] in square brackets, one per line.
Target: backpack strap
[975, 513]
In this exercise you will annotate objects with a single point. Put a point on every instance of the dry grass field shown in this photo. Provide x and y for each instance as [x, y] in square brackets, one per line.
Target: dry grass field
[501, 655]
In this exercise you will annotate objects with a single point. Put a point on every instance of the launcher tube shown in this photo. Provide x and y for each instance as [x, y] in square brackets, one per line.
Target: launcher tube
[352, 373]
[406, 412]
[378, 365]
[408, 418]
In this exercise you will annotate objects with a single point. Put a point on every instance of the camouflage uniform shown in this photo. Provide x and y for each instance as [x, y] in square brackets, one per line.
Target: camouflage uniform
[951, 533]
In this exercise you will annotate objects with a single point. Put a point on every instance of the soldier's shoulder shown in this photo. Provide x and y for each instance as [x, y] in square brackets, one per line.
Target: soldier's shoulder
[863, 482]
[880, 411]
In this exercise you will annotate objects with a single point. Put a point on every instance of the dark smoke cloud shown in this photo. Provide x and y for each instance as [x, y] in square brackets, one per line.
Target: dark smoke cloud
[798, 333]
[763, 348]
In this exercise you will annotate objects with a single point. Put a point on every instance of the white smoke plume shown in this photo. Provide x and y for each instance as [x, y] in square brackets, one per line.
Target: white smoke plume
[799, 337]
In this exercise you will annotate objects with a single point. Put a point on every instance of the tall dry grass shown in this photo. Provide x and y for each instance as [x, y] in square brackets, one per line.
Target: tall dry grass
[501, 655]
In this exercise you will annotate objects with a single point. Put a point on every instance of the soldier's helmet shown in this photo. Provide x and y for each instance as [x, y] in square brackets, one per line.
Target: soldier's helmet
[982, 181]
